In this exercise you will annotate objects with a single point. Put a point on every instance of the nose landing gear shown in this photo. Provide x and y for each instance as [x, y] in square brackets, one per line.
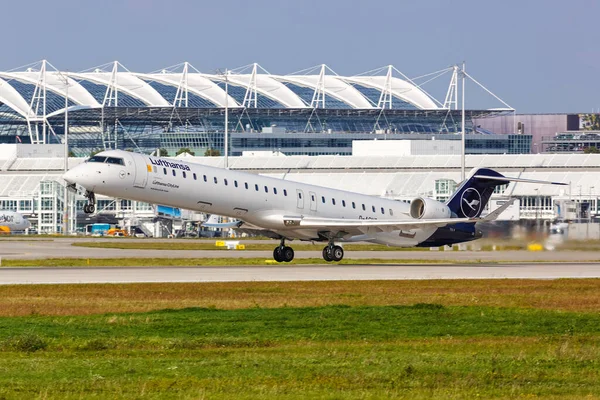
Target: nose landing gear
[283, 253]
[90, 207]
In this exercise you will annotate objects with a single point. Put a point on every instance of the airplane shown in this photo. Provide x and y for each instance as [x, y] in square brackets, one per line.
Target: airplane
[288, 210]
[11, 221]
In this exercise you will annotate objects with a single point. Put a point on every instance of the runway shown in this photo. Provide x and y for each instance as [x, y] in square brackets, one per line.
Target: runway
[10, 276]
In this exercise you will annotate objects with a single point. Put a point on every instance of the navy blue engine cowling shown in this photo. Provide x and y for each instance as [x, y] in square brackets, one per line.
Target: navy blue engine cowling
[473, 195]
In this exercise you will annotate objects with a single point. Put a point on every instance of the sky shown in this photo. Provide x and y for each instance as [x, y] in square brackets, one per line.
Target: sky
[538, 56]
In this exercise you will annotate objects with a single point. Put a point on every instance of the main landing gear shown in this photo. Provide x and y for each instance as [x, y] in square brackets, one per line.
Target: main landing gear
[90, 207]
[333, 252]
[283, 253]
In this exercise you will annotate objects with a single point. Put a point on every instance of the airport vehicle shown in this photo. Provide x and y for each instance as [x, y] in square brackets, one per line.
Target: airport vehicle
[290, 210]
[11, 221]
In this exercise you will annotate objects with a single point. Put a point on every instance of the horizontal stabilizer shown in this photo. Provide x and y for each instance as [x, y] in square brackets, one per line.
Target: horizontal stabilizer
[507, 179]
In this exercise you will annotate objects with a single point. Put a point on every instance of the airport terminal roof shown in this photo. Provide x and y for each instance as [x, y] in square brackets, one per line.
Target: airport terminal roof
[112, 85]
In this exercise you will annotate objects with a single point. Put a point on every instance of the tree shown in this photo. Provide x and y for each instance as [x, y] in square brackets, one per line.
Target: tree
[162, 152]
[591, 122]
[71, 153]
[94, 152]
[212, 153]
[591, 150]
[185, 150]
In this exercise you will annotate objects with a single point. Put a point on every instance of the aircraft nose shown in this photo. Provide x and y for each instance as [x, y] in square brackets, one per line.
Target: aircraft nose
[70, 176]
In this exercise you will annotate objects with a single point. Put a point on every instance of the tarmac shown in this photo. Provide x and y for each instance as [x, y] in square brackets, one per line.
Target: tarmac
[491, 265]
[9, 276]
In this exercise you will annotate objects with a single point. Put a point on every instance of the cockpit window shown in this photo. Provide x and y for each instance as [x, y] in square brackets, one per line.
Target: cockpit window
[99, 159]
[115, 160]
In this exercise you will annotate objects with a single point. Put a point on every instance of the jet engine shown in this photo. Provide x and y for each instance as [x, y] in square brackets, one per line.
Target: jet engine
[424, 208]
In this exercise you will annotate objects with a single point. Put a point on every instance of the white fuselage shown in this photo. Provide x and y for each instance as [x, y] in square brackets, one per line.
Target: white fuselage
[13, 221]
[257, 200]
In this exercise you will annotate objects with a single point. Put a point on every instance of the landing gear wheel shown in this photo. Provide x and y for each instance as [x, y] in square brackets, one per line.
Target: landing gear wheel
[327, 256]
[90, 207]
[337, 253]
[277, 254]
[287, 254]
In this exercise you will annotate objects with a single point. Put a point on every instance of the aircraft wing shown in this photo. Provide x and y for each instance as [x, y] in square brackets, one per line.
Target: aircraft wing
[370, 225]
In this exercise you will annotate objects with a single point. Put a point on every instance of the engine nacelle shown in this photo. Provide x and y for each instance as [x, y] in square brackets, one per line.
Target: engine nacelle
[424, 208]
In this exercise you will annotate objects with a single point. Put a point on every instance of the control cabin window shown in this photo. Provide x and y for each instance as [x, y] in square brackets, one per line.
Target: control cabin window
[115, 160]
[98, 159]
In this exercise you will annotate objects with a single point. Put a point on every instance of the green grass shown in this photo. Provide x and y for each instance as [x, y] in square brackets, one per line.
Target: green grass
[420, 351]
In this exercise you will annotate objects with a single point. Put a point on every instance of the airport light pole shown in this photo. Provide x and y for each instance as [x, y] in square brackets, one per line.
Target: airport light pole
[462, 165]
[226, 144]
[66, 157]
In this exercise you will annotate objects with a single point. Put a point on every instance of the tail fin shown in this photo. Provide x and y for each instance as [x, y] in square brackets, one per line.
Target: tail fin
[473, 194]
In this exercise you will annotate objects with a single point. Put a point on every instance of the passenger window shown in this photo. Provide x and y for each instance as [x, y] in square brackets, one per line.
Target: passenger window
[299, 195]
[333, 201]
[154, 169]
[184, 174]
[323, 199]
[364, 208]
[246, 185]
[382, 211]
[353, 205]
[391, 212]
[215, 179]
[266, 189]
[284, 192]
[235, 183]
[165, 171]
[343, 203]
[274, 190]
[373, 208]
[205, 179]
[256, 187]
[194, 176]
[225, 182]
[174, 173]
[312, 197]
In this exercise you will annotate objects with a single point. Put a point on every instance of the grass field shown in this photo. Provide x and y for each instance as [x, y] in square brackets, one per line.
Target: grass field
[412, 340]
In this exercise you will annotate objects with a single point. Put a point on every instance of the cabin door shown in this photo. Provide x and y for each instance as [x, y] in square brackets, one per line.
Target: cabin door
[313, 201]
[300, 199]
[141, 170]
